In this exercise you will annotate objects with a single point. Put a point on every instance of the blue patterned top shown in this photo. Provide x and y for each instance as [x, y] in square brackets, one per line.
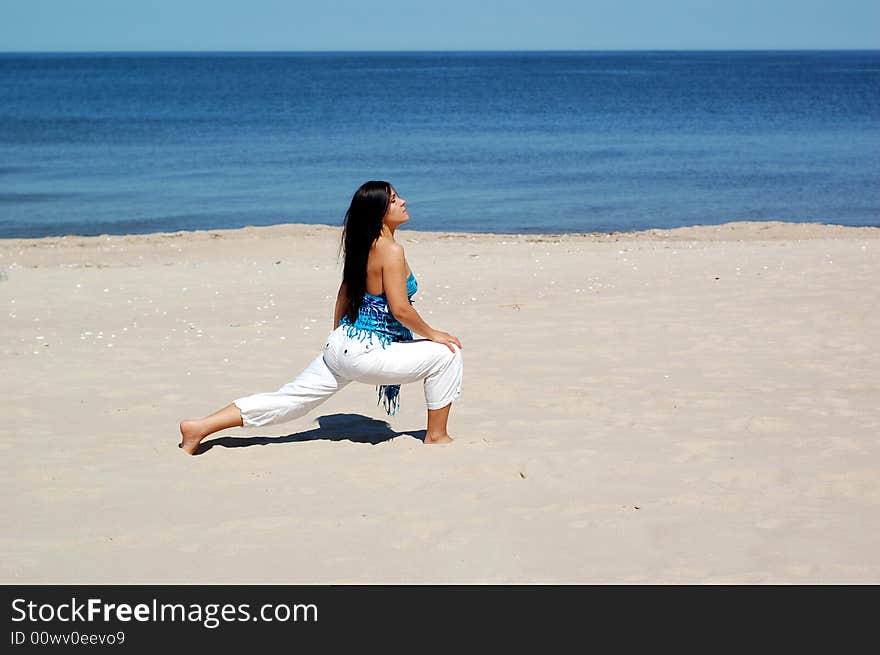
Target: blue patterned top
[375, 319]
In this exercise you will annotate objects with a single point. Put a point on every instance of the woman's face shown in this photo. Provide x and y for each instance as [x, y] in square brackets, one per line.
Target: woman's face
[396, 213]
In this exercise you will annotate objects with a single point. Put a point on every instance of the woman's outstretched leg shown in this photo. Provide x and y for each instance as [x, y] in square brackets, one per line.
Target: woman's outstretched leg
[311, 388]
[193, 431]
[436, 432]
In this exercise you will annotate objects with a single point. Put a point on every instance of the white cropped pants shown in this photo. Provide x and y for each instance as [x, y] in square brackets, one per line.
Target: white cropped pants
[346, 359]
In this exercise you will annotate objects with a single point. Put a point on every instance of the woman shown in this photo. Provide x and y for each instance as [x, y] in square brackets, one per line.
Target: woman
[372, 340]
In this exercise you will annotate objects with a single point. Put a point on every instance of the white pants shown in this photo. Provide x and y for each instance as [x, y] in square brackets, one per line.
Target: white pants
[346, 359]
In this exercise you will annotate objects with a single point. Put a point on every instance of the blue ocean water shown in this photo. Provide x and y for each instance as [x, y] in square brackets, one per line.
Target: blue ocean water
[497, 142]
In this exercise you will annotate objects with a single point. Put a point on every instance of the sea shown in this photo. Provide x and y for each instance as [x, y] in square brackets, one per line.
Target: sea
[505, 142]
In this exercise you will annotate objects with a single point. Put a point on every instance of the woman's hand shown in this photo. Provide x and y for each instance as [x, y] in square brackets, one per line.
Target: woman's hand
[445, 338]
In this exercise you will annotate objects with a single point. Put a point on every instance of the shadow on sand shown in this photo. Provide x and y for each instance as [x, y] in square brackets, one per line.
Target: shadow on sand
[333, 427]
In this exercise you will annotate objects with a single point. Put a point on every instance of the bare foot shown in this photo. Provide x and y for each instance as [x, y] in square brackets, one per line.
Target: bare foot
[191, 436]
[437, 439]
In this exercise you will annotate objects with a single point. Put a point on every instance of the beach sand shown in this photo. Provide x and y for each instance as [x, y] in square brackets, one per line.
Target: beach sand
[697, 405]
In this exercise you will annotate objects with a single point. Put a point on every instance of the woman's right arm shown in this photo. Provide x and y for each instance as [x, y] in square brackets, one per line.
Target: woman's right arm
[341, 303]
[394, 283]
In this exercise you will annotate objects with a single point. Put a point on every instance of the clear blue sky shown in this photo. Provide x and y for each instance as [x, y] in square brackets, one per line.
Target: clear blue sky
[77, 25]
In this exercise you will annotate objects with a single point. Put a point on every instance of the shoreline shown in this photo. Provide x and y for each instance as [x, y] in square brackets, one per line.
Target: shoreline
[736, 230]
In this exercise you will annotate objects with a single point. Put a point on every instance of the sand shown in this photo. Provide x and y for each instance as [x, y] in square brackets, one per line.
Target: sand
[697, 405]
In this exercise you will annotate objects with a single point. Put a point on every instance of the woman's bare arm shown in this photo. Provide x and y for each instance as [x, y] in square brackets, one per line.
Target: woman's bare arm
[341, 303]
[394, 283]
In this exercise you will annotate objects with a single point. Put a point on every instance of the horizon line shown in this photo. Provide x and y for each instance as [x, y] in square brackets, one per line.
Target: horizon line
[477, 50]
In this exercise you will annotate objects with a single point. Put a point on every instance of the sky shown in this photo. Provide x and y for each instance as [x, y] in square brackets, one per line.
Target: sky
[393, 25]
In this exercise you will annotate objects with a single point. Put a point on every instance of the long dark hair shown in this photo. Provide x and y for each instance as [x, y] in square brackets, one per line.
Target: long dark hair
[363, 223]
